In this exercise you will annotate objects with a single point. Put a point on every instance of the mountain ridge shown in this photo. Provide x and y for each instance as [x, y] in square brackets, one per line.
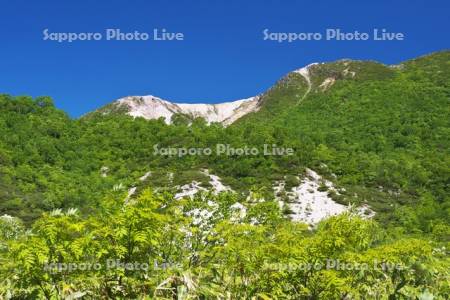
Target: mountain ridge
[152, 107]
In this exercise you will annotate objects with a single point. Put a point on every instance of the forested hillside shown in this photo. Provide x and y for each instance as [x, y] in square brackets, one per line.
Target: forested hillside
[379, 133]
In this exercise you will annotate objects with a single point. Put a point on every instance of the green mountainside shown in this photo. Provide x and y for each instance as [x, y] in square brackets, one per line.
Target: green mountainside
[93, 189]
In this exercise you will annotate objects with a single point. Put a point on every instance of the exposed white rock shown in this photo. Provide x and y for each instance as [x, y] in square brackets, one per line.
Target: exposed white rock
[327, 83]
[247, 106]
[365, 211]
[319, 179]
[346, 72]
[151, 107]
[313, 174]
[145, 176]
[189, 190]
[216, 183]
[305, 73]
[309, 205]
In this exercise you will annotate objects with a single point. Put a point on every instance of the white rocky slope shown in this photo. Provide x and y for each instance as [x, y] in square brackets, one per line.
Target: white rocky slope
[190, 189]
[151, 107]
[308, 204]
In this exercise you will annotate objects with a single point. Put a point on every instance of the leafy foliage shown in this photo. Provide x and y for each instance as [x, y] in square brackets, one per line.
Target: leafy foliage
[153, 247]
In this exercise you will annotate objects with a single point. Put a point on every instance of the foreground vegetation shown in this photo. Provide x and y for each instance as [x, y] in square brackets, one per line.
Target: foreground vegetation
[153, 247]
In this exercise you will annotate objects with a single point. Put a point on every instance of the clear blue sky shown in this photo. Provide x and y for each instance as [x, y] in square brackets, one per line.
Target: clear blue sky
[223, 56]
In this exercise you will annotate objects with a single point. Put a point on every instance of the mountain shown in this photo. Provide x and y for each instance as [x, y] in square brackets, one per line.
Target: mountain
[142, 180]
[151, 107]
[315, 77]
[376, 130]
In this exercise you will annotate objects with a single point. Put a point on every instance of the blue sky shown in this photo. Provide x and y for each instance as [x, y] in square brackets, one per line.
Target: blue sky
[223, 55]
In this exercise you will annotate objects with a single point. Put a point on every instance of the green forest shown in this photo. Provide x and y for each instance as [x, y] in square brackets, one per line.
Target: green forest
[69, 229]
